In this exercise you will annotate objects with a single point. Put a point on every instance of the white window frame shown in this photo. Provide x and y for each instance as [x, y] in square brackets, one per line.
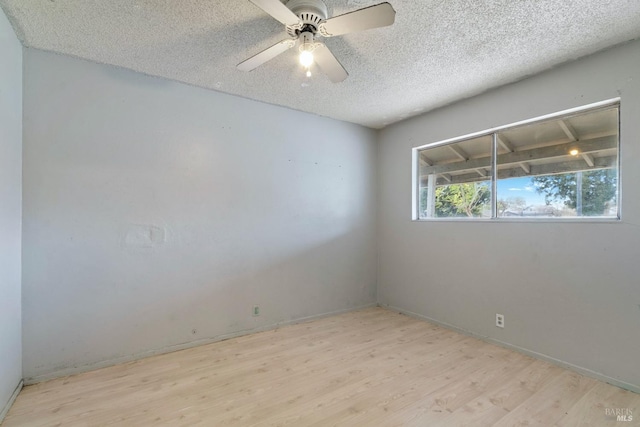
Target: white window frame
[415, 169]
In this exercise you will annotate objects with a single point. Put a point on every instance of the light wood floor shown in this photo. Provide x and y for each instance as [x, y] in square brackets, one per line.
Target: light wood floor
[368, 368]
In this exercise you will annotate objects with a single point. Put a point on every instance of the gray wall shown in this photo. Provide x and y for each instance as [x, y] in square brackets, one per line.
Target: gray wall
[10, 211]
[157, 214]
[568, 291]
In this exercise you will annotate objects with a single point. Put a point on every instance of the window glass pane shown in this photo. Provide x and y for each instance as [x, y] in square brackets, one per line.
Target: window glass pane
[560, 168]
[455, 180]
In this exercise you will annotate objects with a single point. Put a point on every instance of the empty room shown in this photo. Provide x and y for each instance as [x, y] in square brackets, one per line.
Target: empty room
[319, 213]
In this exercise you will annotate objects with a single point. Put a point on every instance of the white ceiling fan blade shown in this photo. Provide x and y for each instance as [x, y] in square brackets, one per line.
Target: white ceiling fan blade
[329, 64]
[278, 10]
[266, 55]
[376, 16]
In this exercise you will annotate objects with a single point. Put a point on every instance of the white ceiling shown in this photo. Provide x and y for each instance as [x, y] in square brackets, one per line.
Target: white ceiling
[437, 52]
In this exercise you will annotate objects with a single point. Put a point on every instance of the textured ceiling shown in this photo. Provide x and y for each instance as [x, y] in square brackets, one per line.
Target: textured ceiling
[437, 52]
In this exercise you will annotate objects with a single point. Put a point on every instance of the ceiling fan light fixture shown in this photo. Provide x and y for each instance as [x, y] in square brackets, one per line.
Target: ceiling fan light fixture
[304, 20]
[306, 58]
[306, 49]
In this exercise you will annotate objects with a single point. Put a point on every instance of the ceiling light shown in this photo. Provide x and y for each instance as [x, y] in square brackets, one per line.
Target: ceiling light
[305, 20]
[306, 49]
[306, 58]
[574, 152]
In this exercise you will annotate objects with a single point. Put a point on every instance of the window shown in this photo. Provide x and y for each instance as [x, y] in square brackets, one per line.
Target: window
[446, 190]
[561, 166]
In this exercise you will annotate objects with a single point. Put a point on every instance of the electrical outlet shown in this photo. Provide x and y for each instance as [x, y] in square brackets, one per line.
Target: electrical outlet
[256, 310]
[500, 320]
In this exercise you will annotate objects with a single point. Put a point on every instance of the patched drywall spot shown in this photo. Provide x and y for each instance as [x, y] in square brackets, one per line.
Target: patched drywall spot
[144, 236]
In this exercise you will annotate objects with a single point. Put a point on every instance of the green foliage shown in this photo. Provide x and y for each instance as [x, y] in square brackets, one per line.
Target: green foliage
[598, 189]
[462, 199]
[424, 193]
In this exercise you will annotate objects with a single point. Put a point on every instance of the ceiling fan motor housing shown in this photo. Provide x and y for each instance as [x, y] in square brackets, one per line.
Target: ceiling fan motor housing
[311, 14]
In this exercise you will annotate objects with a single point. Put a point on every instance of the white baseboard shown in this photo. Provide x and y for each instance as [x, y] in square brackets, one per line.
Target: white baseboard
[579, 369]
[12, 399]
[169, 349]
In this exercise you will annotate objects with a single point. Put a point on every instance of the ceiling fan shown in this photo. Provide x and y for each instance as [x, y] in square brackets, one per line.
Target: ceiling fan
[306, 21]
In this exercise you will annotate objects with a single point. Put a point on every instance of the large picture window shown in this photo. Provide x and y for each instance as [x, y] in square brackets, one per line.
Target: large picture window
[562, 166]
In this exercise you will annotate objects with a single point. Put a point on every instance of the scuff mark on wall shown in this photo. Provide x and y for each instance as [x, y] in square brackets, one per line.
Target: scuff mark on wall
[144, 236]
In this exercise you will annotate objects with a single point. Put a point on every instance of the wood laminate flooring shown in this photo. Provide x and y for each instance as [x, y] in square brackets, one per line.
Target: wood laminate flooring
[372, 367]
